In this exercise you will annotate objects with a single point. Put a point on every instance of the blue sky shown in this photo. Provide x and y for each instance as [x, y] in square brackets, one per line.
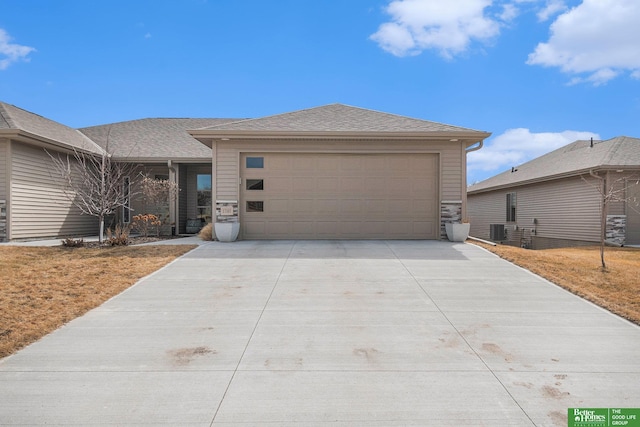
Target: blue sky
[538, 74]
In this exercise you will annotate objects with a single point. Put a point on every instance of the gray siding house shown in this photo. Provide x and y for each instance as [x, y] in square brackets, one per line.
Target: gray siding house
[553, 201]
[328, 172]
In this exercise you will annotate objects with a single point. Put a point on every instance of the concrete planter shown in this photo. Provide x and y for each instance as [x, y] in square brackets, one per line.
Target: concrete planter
[457, 232]
[227, 231]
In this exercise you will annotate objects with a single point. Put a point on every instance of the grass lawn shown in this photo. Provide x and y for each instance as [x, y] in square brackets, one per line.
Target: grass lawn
[44, 288]
[579, 270]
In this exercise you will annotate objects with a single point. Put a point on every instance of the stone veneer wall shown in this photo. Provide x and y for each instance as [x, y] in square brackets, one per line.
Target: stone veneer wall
[226, 203]
[616, 228]
[449, 212]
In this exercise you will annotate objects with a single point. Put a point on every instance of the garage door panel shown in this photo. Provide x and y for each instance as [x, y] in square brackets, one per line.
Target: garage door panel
[278, 228]
[303, 206]
[399, 207]
[327, 185]
[346, 196]
[277, 206]
[326, 207]
[327, 228]
[302, 185]
[303, 228]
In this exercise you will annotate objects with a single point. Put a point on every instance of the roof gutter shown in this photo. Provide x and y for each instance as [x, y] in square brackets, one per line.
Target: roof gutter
[476, 148]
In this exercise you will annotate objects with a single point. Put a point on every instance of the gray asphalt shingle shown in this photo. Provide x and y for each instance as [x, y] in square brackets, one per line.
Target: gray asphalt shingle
[165, 138]
[14, 118]
[619, 152]
[337, 118]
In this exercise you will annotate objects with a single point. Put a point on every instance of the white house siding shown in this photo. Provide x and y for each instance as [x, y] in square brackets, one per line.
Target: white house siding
[38, 205]
[451, 158]
[567, 212]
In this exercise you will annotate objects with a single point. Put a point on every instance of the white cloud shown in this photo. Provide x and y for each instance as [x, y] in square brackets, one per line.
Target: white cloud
[598, 38]
[552, 8]
[11, 52]
[448, 27]
[517, 146]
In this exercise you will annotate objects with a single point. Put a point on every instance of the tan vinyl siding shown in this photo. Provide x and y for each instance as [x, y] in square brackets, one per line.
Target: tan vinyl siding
[633, 214]
[4, 168]
[4, 190]
[566, 209]
[39, 207]
[226, 162]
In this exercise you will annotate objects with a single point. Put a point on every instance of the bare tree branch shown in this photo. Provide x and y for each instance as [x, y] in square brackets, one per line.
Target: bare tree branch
[93, 182]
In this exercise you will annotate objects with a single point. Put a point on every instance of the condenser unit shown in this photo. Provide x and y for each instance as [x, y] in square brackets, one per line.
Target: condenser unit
[497, 232]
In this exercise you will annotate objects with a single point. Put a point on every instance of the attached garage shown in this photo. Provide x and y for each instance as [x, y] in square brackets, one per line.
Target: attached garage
[339, 172]
[339, 196]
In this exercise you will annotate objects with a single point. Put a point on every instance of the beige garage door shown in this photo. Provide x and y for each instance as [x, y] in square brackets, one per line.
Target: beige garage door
[339, 196]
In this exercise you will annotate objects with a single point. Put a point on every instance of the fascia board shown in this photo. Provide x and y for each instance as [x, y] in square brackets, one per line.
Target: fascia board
[203, 134]
[536, 180]
[37, 140]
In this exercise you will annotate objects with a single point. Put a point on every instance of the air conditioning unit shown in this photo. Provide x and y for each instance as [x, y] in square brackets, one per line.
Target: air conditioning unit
[497, 232]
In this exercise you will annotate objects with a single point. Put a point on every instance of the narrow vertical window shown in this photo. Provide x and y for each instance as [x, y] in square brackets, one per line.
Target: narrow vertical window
[126, 208]
[511, 207]
[204, 197]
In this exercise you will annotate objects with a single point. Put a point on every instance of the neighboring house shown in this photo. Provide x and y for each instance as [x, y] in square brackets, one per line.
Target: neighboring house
[553, 201]
[327, 172]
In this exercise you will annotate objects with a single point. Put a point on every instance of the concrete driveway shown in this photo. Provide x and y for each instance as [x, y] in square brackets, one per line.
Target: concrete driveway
[344, 333]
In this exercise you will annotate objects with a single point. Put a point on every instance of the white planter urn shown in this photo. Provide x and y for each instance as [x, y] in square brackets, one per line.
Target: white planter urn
[227, 231]
[457, 232]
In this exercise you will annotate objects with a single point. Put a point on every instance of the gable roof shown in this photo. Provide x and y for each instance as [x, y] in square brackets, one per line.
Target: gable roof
[19, 123]
[153, 139]
[573, 159]
[333, 119]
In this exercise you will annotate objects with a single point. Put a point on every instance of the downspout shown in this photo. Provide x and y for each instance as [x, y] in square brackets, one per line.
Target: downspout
[173, 200]
[467, 151]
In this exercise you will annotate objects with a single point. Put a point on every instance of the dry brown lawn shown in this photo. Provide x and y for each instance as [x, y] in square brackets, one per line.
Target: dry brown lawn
[43, 288]
[579, 270]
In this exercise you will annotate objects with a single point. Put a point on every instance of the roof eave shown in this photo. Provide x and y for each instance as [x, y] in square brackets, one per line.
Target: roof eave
[539, 180]
[163, 160]
[40, 141]
[207, 136]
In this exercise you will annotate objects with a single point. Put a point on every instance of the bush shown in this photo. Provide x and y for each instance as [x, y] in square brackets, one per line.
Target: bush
[144, 222]
[119, 237]
[70, 242]
[207, 232]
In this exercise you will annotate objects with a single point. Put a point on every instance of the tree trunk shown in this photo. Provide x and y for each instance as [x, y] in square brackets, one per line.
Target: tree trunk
[100, 236]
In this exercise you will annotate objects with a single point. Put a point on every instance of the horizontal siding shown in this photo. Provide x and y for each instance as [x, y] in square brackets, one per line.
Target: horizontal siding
[4, 168]
[39, 207]
[567, 209]
[227, 155]
[483, 210]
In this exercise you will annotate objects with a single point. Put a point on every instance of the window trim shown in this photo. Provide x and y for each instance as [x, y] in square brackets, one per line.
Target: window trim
[254, 209]
[512, 207]
[260, 160]
[126, 206]
[254, 181]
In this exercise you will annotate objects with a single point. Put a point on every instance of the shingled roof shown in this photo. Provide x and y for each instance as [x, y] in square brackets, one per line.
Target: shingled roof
[576, 158]
[336, 118]
[153, 139]
[19, 122]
